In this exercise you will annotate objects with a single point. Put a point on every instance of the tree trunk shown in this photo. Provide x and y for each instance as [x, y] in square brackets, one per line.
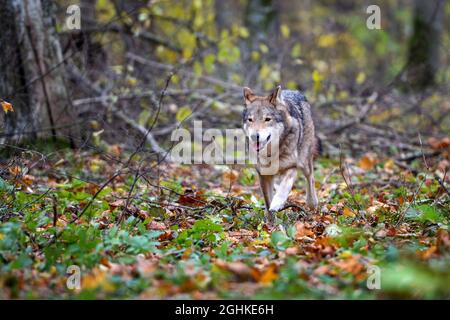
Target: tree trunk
[423, 60]
[261, 20]
[32, 70]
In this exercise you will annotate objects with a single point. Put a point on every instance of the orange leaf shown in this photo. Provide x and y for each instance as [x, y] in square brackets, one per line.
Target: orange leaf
[348, 213]
[15, 170]
[368, 161]
[426, 254]
[230, 177]
[268, 275]
[6, 106]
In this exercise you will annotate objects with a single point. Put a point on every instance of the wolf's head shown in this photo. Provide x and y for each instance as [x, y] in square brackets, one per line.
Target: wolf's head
[264, 118]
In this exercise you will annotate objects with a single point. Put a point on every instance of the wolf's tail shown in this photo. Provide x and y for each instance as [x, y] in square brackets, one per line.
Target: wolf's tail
[317, 147]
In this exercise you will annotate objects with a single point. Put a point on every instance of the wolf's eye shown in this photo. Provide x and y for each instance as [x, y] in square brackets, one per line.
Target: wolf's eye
[250, 120]
[267, 119]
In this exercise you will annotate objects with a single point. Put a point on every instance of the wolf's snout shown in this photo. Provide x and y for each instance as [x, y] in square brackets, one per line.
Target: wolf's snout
[255, 137]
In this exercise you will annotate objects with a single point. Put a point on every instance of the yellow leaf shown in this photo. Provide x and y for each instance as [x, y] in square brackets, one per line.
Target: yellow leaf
[296, 50]
[132, 81]
[360, 78]
[264, 72]
[255, 56]
[264, 48]
[327, 40]
[6, 106]
[285, 31]
[243, 32]
[183, 113]
[348, 213]
[317, 79]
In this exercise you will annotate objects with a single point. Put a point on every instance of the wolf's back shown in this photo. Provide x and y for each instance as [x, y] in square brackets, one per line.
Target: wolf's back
[293, 97]
[296, 102]
[300, 109]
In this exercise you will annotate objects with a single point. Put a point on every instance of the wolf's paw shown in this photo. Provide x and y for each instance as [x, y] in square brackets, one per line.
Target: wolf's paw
[270, 217]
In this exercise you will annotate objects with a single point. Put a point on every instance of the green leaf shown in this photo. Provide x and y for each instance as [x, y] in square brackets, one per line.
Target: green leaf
[4, 186]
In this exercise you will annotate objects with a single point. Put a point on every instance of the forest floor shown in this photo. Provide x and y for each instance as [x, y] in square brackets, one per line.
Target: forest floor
[171, 231]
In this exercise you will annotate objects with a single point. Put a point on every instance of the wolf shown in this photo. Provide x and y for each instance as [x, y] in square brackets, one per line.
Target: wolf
[280, 126]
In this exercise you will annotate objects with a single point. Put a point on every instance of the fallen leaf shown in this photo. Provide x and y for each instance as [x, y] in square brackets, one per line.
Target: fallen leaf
[192, 198]
[368, 161]
[266, 276]
[302, 231]
[237, 267]
[292, 251]
[229, 177]
[443, 240]
[348, 212]
[428, 253]
[155, 225]
[117, 203]
[350, 264]
[439, 144]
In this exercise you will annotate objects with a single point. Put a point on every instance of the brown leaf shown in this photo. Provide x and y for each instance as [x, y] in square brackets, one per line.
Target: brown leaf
[237, 267]
[350, 265]
[116, 150]
[168, 235]
[391, 232]
[155, 225]
[439, 144]
[443, 240]
[192, 198]
[322, 270]
[117, 203]
[291, 251]
[302, 231]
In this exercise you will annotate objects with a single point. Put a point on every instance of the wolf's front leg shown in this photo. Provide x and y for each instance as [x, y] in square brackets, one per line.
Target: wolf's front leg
[286, 182]
[267, 186]
[266, 183]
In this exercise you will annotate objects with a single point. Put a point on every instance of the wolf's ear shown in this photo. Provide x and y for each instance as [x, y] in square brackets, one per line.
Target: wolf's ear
[249, 96]
[275, 96]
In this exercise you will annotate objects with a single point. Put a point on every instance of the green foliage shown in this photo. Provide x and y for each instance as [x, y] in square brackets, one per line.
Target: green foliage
[426, 213]
[203, 232]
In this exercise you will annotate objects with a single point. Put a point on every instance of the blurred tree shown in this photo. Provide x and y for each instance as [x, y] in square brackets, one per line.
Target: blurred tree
[224, 12]
[423, 59]
[31, 76]
[261, 20]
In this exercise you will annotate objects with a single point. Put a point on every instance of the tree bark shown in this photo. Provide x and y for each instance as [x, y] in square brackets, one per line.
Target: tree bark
[32, 71]
[423, 60]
